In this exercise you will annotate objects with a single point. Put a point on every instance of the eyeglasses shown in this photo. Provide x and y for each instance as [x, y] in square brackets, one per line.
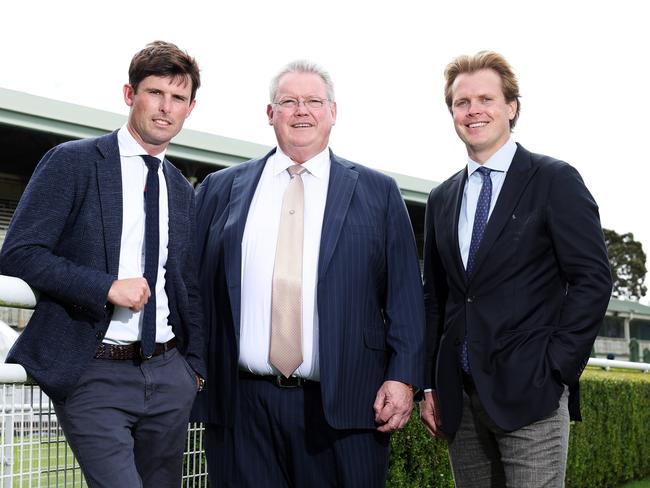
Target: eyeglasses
[292, 103]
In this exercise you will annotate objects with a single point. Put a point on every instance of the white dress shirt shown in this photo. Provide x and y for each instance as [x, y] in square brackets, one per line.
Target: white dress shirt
[499, 163]
[125, 326]
[258, 256]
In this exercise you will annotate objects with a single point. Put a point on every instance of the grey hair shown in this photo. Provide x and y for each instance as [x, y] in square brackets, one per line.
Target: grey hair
[303, 66]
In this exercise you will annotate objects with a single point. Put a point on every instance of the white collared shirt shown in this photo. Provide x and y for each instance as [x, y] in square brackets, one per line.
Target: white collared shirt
[258, 256]
[125, 326]
[499, 163]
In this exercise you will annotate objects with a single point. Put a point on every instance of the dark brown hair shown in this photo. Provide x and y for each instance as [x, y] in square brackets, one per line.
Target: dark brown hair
[160, 58]
[485, 60]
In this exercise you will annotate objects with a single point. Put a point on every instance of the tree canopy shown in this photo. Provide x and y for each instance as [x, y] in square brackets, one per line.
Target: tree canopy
[627, 263]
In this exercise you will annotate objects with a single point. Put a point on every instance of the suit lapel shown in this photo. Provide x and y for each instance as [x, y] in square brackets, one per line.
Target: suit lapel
[456, 202]
[109, 184]
[519, 173]
[241, 194]
[343, 179]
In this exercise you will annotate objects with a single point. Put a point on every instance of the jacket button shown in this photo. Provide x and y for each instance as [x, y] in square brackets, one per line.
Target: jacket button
[99, 335]
[470, 299]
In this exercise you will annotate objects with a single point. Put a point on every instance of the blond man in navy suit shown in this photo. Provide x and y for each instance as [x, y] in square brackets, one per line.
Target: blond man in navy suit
[516, 281]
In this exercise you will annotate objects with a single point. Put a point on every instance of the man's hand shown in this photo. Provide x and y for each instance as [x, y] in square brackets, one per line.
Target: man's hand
[430, 414]
[130, 293]
[393, 405]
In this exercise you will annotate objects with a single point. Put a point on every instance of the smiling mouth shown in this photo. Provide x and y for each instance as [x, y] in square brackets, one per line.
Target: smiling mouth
[477, 125]
[162, 122]
[301, 126]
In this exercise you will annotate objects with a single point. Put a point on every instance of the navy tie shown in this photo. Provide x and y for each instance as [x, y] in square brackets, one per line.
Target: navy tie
[480, 221]
[151, 254]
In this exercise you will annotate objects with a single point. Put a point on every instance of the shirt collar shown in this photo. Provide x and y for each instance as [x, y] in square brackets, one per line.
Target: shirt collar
[499, 161]
[316, 166]
[129, 147]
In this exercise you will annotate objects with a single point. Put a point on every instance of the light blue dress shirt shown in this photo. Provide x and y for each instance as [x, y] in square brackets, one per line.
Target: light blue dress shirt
[499, 163]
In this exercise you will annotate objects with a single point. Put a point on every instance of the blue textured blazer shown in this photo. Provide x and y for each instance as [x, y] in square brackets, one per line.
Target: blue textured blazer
[534, 303]
[369, 294]
[64, 241]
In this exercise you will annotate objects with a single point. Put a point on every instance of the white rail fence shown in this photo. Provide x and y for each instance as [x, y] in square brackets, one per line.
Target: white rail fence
[613, 363]
[33, 451]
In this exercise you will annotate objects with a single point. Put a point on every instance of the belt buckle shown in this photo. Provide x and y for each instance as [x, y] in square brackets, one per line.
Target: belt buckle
[290, 382]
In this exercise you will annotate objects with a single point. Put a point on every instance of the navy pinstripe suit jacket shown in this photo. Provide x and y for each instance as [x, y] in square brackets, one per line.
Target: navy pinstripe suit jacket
[64, 240]
[369, 293]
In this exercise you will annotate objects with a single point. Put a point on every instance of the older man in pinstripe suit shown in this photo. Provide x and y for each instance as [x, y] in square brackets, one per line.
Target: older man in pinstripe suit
[313, 306]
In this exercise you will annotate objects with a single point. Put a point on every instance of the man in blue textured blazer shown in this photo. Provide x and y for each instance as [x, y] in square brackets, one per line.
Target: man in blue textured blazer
[517, 282]
[310, 405]
[105, 233]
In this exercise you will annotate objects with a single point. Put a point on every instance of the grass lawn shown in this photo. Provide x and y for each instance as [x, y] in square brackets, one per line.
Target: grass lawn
[637, 484]
[45, 463]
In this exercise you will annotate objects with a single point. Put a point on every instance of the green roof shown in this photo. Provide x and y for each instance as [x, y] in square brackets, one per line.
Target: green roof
[628, 307]
[41, 114]
[413, 189]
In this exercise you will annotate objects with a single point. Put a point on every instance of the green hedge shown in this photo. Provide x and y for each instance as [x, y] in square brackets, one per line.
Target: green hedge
[610, 446]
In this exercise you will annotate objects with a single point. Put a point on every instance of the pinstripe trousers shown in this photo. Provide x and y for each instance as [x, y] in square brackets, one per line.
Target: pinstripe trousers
[281, 439]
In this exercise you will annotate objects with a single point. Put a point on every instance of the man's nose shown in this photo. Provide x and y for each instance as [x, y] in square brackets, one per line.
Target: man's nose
[165, 104]
[474, 108]
[301, 107]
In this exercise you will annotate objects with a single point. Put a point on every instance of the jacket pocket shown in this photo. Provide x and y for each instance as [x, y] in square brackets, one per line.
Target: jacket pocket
[374, 338]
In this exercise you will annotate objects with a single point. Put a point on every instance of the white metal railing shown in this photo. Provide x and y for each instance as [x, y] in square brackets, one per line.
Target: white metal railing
[613, 363]
[33, 450]
[14, 292]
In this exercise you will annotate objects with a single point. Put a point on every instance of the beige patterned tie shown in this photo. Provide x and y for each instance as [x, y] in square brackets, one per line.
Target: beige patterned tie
[286, 304]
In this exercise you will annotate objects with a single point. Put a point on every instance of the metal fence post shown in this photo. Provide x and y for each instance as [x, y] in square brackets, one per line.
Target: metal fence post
[8, 437]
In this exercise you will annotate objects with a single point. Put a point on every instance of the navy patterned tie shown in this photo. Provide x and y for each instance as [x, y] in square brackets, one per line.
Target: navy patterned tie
[480, 221]
[151, 254]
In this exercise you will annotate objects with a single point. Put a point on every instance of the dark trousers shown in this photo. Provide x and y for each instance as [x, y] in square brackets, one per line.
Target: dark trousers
[126, 421]
[281, 439]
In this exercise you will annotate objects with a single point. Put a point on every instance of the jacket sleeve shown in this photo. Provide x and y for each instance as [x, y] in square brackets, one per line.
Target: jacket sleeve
[574, 226]
[196, 340]
[404, 309]
[45, 213]
[435, 292]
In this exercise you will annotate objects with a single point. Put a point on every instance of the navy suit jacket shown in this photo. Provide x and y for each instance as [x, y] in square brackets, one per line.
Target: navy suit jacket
[370, 304]
[536, 299]
[64, 241]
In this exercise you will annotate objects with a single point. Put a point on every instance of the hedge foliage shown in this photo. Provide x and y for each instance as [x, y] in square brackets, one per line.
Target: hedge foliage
[609, 447]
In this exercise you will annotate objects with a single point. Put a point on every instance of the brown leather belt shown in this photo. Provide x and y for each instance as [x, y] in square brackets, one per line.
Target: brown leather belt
[279, 380]
[130, 351]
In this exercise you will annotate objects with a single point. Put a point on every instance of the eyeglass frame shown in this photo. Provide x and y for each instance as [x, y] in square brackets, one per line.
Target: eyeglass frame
[295, 102]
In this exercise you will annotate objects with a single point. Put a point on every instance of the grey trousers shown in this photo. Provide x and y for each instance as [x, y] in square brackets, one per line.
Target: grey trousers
[126, 421]
[484, 456]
